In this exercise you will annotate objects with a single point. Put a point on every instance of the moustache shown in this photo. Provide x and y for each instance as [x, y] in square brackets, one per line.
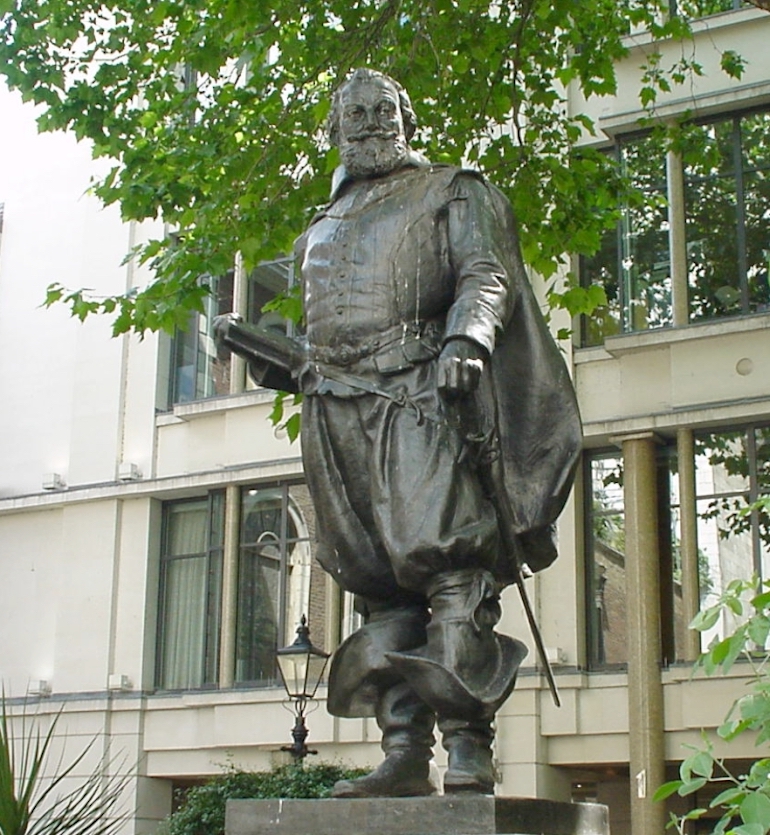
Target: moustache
[375, 134]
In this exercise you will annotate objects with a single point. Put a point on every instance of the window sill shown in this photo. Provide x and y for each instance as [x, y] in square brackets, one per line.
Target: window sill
[214, 405]
[719, 20]
[633, 343]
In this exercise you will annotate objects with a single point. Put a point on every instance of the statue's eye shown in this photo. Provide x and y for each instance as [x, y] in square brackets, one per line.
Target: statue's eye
[386, 108]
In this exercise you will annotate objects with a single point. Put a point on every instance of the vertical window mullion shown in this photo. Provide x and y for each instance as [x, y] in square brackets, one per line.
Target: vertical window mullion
[284, 581]
[756, 544]
[740, 215]
[213, 589]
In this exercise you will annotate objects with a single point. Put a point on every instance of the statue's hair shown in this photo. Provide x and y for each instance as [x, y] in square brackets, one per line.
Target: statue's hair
[364, 74]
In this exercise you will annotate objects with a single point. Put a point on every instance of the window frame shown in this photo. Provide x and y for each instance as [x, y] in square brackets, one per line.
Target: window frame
[615, 238]
[214, 557]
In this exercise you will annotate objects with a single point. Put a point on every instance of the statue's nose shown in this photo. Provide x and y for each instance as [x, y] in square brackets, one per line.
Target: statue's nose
[371, 119]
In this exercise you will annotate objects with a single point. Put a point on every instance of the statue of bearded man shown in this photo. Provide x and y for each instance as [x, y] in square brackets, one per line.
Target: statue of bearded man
[416, 302]
[426, 364]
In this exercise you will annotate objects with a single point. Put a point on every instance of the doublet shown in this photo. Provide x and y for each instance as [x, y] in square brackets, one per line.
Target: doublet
[417, 245]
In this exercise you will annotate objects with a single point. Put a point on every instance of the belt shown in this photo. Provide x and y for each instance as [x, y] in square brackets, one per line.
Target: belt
[394, 349]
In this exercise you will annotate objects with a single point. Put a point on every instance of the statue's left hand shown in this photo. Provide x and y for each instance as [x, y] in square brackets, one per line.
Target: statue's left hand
[459, 367]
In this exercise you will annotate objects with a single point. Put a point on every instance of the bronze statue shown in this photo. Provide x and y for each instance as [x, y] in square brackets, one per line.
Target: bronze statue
[439, 436]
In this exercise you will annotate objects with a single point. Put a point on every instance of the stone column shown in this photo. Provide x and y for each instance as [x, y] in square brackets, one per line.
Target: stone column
[645, 690]
[677, 239]
[229, 586]
[688, 539]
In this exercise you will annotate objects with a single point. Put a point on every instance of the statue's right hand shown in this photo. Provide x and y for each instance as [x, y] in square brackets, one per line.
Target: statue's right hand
[460, 366]
[221, 323]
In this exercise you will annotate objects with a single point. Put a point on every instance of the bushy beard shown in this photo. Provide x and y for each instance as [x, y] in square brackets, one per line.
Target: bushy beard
[373, 155]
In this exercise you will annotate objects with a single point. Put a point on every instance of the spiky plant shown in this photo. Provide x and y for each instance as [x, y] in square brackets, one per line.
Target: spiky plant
[33, 797]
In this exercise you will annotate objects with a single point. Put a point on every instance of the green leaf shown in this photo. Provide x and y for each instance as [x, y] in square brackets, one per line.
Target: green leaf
[702, 764]
[727, 797]
[666, 790]
[705, 619]
[276, 415]
[293, 426]
[692, 786]
[749, 829]
[761, 601]
[732, 63]
[755, 809]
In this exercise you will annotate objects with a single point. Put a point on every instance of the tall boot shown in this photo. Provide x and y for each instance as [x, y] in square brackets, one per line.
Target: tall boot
[465, 670]
[469, 746]
[407, 741]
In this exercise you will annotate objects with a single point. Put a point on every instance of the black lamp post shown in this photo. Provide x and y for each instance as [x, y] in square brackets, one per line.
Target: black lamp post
[301, 666]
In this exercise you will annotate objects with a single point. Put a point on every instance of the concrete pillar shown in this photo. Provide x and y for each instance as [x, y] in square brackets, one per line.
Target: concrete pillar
[645, 690]
[229, 587]
[688, 543]
[677, 239]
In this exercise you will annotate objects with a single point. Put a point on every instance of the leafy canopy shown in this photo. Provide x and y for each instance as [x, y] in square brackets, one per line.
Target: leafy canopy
[211, 112]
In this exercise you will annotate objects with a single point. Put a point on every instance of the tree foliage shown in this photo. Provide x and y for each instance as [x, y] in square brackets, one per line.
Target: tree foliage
[210, 113]
[741, 805]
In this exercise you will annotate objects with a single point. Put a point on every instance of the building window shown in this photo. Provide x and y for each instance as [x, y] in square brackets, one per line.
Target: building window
[273, 577]
[727, 213]
[190, 593]
[277, 582]
[732, 470]
[703, 8]
[606, 563]
[199, 369]
[725, 210]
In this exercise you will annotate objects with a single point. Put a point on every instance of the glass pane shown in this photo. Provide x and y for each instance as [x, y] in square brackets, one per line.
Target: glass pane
[183, 628]
[725, 542]
[201, 368]
[607, 567]
[214, 362]
[703, 8]
[762, 441]
[261, 515]
[645, 244]
[184, 359]
[258, 617]
[755, 148]
[602, 268]
[277, 529]
[265, 282]
[711, 222]
[186, 528]
[721, 463]
[304, 597]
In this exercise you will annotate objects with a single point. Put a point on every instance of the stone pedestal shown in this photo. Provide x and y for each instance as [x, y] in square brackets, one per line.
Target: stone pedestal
[456, 815]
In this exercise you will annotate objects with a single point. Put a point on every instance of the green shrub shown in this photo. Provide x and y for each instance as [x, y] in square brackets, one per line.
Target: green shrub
[203, 809]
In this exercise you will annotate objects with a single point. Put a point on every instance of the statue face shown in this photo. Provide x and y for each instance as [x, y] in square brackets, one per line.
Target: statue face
[372, 140]
[370, 108]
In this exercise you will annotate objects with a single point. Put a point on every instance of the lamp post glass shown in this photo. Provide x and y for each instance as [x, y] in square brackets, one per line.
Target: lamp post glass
[302, 667]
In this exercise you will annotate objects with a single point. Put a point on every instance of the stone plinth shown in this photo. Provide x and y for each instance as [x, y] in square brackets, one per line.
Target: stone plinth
[456, 815]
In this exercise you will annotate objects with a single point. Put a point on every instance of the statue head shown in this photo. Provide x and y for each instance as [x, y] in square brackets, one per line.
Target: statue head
[371, 121]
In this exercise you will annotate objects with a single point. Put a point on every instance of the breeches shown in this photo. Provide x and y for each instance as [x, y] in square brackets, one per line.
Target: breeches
[395, 504]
